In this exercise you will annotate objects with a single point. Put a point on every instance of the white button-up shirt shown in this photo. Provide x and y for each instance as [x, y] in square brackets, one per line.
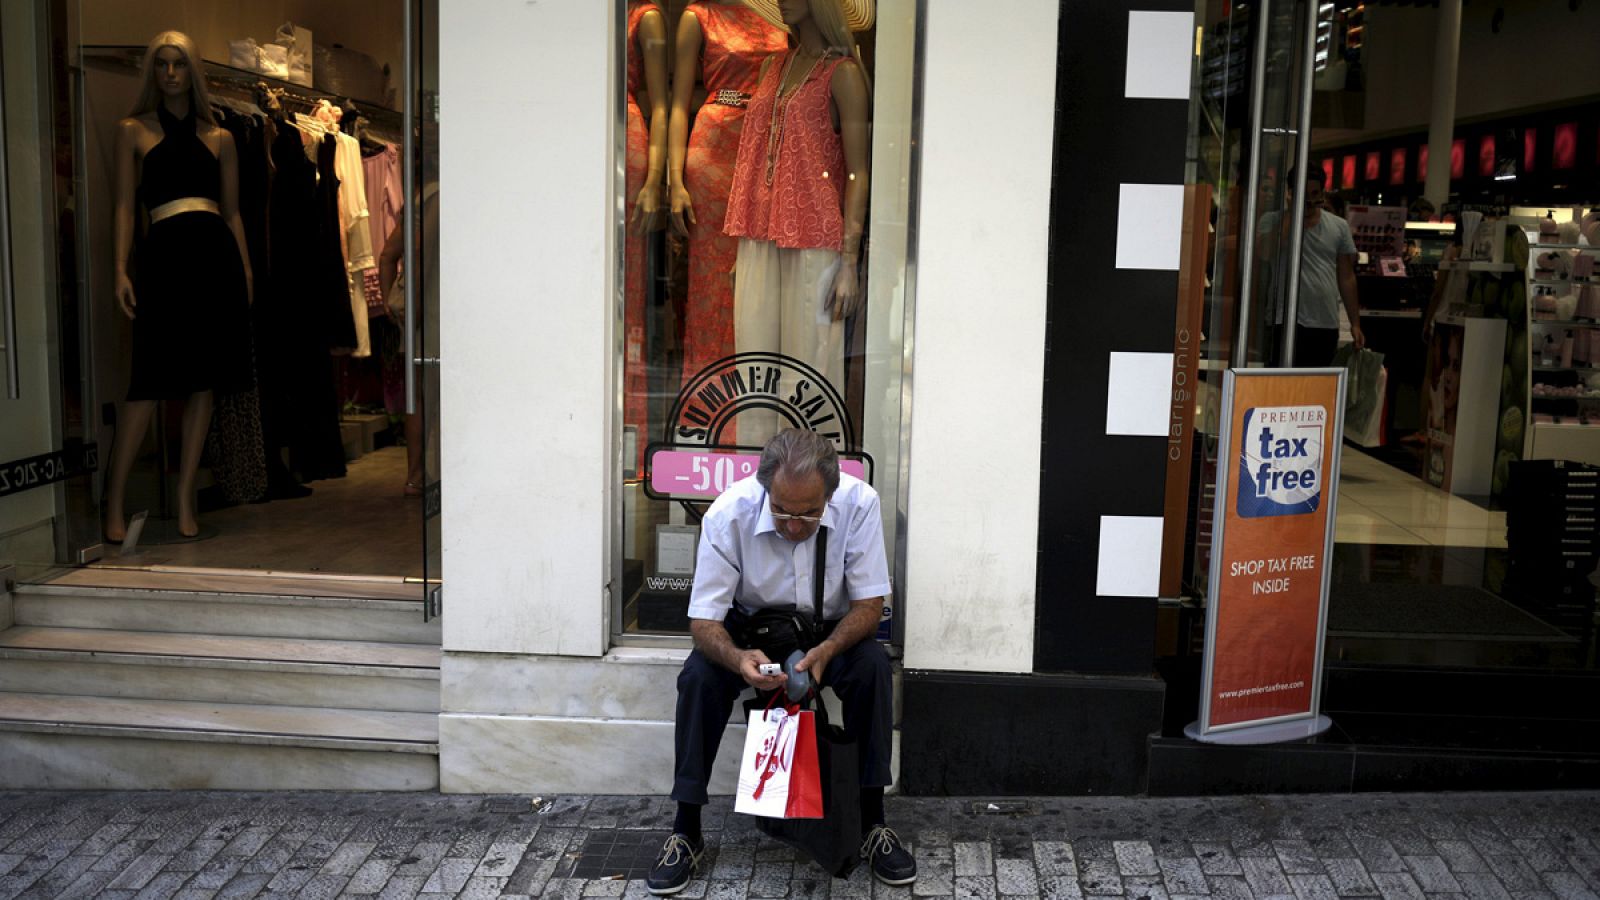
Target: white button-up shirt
[742, 558]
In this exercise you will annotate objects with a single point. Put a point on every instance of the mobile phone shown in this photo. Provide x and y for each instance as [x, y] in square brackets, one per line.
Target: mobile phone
[770, 669]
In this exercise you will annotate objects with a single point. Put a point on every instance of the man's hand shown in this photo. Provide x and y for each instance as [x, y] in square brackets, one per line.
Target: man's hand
[816, 662]
[1357, 337]
[749, 662]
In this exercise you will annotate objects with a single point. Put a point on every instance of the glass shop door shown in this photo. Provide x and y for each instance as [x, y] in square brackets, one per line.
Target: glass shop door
[49, 453]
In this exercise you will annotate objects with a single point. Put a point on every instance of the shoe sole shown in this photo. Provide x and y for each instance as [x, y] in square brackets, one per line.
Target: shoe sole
[894, 882]
[668, 891]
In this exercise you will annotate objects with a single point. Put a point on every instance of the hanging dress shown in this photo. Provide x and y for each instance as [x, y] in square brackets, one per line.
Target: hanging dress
[191, 326]
[736, 41]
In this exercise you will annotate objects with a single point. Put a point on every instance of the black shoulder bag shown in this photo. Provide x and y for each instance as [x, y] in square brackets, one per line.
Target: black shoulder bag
[779, 632]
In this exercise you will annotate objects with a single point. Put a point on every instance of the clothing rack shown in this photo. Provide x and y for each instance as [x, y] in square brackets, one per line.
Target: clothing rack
[225, 80]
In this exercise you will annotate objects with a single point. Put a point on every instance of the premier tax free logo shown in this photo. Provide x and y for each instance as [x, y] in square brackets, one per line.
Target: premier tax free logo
[1280, 461]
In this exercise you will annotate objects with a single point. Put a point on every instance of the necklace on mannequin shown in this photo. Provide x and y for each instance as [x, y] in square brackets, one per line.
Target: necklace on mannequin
[780, 106]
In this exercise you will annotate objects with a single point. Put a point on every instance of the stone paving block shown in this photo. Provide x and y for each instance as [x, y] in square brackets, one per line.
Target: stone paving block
[771, 879]
[975, 887]
[1350, 878]
[1264, 876]
[1541, 855]
[248, 843]
[163, 886]
[728, 890]
[1377, 854]
[59, 876]
[323, 886]
[1313, 887]
[1216, 859]
[1461, 856]
[139, 872]
[9, 861]
[1057, 887]
[604, 887]
[1230, 887]
[274, 855]
[218, 872]
[733, 862]
[1015, 877]
[1568, 886]
[88, 884]
[104, 838]
[1145, 887]
[1055, 858]
[194, 857]
[1532, 895]
[1100, 877]
[450, 875]
[1488, 840]
[347, 859]
[1183, 876]
[1587, 865]
[1514, 872]
[481, 888]
[567, 889]
[422, 859]
[1297, 858]
[1433, 875]
[935, 872]
[190, 893]
[857, 887]
[501, 859]
[1410, 841]
[242, 886]
[973, 859]
[402, 887]
[371, 877]
[290, 879]
[1482, 886]
[1135, 858]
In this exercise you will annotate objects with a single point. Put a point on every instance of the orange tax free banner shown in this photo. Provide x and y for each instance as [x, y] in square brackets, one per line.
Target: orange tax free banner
[1266, 608]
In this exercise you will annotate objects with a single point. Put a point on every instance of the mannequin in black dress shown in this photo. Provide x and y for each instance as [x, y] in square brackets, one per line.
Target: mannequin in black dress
[188, 288]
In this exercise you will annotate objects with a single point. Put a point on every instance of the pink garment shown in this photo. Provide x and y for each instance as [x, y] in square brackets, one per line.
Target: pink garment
[801, 209]
[384, 200]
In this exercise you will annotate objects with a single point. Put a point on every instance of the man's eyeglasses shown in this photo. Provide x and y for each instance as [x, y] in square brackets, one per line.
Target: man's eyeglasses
[807, 520]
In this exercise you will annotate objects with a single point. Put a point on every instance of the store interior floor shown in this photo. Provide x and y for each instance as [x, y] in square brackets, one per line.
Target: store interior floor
[361, 524]
[1382, 504]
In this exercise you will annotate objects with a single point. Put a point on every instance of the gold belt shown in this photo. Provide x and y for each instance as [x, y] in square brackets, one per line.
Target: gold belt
[183, 205]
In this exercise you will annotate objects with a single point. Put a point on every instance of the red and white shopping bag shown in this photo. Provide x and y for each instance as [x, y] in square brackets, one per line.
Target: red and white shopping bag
[779, 776]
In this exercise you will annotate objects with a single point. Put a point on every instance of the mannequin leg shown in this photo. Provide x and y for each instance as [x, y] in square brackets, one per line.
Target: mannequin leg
[131, 426]
[196, 422]
[756, 327]
[810, 333]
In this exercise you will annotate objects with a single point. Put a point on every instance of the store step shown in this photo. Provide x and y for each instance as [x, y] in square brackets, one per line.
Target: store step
[71, 741]
[225, 612]
[216, 668]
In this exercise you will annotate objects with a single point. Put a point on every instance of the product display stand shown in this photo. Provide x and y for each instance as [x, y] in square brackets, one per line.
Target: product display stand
[1563, 352]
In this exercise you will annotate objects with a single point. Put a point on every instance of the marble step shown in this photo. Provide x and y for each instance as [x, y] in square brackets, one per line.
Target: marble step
[63, 741]
[220, 668]
[224, 613]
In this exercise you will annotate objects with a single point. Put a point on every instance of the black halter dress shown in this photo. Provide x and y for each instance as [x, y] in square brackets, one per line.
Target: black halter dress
[191, 326]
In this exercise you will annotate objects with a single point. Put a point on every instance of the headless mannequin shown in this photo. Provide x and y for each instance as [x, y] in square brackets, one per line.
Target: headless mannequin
[690, 40]
[137, 136]
[851, 112]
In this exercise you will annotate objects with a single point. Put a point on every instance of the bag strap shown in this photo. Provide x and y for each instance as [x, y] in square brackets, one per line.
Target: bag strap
[821, 571]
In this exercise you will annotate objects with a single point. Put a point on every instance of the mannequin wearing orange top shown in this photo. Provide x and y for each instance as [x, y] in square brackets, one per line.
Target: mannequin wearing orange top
[722, 44]
[646, 165]
[799, 201]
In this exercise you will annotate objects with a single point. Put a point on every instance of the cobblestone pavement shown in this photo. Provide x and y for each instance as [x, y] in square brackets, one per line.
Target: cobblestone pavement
[323, 845]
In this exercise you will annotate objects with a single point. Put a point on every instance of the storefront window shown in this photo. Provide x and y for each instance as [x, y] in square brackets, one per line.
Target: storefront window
[764, 279]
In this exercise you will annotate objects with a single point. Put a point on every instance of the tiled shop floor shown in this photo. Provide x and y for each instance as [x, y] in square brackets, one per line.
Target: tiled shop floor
[1536, 846]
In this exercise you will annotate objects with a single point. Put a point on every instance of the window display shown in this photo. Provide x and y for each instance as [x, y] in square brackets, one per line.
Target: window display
[752, 305]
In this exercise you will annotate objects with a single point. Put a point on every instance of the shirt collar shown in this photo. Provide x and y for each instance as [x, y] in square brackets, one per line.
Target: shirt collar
[765, 523]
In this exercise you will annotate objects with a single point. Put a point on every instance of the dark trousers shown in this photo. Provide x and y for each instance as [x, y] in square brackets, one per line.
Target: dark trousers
[1313, 347]
[706, 694]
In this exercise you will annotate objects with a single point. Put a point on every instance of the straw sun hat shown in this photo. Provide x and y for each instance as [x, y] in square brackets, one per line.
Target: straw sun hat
[858, 14]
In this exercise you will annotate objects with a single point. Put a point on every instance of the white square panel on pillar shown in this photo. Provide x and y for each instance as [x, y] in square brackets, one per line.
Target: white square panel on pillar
[1149, 226]
[1130, 557]
[1138, 394]
[1160, 55]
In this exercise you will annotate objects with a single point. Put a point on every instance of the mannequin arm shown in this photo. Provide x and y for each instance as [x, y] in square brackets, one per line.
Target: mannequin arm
[653, 45]
[685, 73]
[230, 206]
[854, 104]
[122, 225]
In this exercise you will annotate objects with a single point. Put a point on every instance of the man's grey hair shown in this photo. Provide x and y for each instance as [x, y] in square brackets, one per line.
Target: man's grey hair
[797, 452]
